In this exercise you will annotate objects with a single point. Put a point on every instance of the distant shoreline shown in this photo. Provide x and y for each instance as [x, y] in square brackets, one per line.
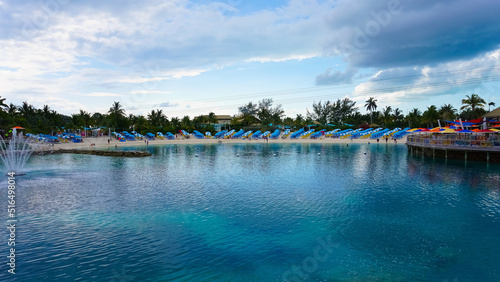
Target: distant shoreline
[102, 142]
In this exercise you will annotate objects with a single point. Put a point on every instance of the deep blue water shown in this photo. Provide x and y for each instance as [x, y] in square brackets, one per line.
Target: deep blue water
[256, 212]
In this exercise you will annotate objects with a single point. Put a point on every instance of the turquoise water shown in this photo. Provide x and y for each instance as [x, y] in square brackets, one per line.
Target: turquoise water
[256, 212]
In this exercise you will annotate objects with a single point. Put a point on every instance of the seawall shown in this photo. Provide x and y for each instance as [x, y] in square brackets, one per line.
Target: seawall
[110, 153]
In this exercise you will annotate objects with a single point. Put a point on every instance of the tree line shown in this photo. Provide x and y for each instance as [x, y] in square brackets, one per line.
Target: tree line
[263, 115]
[344, 111]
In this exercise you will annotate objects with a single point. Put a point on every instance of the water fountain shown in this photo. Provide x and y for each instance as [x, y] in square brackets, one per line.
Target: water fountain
[15, 152]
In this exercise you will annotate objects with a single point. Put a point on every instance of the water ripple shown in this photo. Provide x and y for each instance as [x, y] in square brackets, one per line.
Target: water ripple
[251, 212]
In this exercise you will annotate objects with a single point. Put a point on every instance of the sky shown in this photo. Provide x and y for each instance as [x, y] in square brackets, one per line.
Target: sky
[195, 57]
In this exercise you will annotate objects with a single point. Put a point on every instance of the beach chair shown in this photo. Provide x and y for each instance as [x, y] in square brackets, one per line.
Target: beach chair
[220, 134]
[276, 134]
[286, 134]
[169, 136]
[297, 133]
[247, 134]
[198, 134]
[257, 134]
[239, 134]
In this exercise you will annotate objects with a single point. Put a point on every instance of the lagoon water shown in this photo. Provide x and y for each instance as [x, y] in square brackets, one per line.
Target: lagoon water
[256, 212]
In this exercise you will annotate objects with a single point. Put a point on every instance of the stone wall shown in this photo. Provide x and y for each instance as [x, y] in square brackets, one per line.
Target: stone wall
[114, 153]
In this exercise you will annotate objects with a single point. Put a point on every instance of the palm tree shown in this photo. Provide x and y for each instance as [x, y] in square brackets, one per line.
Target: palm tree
[175, 123]
[12, 109]
[26, 110]
[398, 115]
[85, 117]
[186, 122]
[387, 114]
[212, 118]
[447, 112]
[413, 117]
[157, 118]
[371, 105]
[489, 105]
[472, 102]
[46, 111]
[288, 121]
[299, 120]
[140, 123]
[153, 118]
[75, 121]
[97, 118]
[132, 119]
[116, 111]
[2, 103]
[430, 115]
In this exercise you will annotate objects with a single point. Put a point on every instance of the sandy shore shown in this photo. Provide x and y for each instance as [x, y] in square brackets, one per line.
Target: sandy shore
[102, 142]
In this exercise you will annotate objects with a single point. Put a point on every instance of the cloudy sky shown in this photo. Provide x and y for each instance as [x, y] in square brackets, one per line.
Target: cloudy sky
[193, 57]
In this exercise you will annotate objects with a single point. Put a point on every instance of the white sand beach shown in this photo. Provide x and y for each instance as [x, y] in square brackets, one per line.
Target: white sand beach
[102, 142]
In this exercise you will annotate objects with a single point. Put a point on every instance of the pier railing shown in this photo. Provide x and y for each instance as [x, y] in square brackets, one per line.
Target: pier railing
[488, 141]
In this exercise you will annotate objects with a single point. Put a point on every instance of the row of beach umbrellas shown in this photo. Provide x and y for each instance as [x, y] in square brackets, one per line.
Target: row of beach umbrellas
[451, 130]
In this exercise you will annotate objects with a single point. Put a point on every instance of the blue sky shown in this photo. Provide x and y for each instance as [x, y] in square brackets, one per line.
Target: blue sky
[193, 57]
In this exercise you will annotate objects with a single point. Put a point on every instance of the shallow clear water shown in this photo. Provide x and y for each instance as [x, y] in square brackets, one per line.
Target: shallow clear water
[256, 212]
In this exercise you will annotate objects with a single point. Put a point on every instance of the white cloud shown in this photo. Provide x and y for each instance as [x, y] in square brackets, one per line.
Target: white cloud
[139, 80]
[100, 48]
[155, 75]
[277, 59]
[62, 105]
[168, 104]
[103, 94]
[416, 84]
[143, 45]
[149, 92]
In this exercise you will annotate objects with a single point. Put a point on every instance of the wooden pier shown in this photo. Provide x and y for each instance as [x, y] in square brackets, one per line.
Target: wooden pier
[466, 153]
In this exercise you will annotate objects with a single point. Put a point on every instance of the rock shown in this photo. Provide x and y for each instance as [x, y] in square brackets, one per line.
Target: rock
[132, 154]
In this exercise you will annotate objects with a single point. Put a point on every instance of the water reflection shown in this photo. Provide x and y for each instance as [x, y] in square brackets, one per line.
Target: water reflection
[252, 211]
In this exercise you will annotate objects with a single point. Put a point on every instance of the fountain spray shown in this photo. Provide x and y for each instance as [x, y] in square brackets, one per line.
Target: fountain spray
[15, 154]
